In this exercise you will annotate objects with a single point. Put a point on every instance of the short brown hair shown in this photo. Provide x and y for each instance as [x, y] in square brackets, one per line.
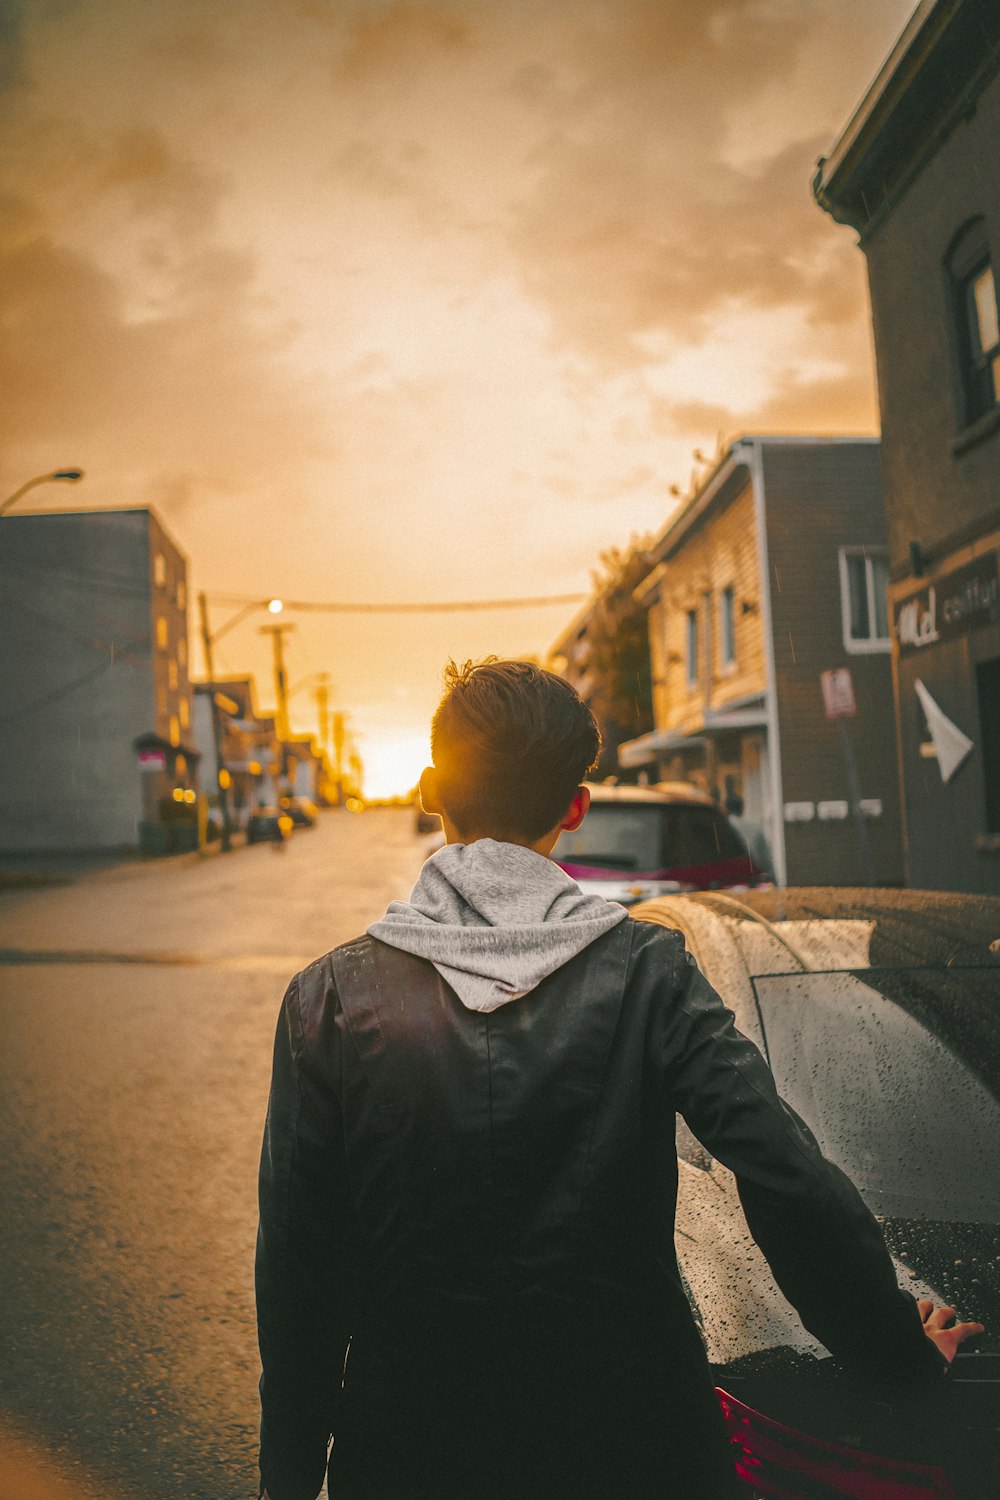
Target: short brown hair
[510, 743]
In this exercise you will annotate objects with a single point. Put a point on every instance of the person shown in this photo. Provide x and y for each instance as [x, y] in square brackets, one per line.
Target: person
[465, 1266]
[751, 833]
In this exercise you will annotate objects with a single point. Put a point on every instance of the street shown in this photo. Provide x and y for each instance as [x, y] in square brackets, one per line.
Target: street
[139, 1007]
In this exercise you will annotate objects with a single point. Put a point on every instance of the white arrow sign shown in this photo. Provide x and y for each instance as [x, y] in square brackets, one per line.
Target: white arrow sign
[951, 744]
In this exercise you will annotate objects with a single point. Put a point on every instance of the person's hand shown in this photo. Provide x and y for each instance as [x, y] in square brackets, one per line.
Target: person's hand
[944, 1333]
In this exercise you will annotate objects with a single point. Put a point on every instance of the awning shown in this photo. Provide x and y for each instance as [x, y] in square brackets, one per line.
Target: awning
[648, 747]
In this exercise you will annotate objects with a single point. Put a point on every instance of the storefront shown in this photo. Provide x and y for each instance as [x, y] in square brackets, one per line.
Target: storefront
[947, 660]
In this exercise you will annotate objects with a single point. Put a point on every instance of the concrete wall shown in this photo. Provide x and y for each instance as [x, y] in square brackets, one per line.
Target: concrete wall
[942, 490]
[75, 653]
[820, 497]
[937, 492]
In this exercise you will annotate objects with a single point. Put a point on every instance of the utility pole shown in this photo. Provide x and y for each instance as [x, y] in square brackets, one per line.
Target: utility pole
[206, 641]
[322, 694]
[323, 710]
[277, 634]
[339, 736]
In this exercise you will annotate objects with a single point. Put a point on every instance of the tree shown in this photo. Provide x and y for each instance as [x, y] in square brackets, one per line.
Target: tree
[618, 657]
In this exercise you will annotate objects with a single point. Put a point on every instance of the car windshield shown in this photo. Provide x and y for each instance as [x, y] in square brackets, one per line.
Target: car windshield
[649, 837]
[896, 1071]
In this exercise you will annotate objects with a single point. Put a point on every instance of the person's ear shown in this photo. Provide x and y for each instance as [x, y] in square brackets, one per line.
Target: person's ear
[429, 799]
[578, 810]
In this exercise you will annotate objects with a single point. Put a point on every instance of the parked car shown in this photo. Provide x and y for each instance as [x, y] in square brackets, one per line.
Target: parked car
[302, 812]
[638, 842]
[269, 824]
[879, 1014]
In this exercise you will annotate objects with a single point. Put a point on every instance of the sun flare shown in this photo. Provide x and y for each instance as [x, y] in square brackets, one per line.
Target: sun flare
[393, 767]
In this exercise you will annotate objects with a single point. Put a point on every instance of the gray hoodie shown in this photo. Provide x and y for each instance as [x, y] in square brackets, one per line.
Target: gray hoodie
[495, 919]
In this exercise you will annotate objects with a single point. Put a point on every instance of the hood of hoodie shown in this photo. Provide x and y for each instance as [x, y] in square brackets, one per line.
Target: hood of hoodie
[495, 920]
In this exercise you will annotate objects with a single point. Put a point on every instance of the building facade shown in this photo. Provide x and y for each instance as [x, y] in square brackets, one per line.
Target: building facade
[249, 752]
[604, 653]
[770, 576]
[95, 726]
[915, 174]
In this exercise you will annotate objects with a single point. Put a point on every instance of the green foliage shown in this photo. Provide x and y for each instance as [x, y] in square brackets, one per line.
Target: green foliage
[618, 641]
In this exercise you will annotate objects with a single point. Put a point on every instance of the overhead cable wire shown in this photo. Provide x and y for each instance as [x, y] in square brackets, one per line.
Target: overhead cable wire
[449, 606]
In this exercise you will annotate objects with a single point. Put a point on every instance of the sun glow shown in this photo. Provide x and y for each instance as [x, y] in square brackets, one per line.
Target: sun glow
[393, 767]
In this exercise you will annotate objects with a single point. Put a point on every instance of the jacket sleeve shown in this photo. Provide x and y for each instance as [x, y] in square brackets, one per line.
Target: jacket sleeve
[303, 1260]
[824, 1247]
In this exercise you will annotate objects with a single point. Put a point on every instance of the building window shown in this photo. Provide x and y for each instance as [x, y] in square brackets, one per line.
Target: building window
[182, 651]
[159, 570]
[727, 627]
[864, 585]
[162, 634]
[181, 594]
[175, 730]
[978, 327]
[185, 713]
[691, 651]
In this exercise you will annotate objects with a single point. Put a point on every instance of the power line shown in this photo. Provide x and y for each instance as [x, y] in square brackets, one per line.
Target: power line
[450, 606]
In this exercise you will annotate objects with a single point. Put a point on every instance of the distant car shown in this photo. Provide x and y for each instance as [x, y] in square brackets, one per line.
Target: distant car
[639, 842]
[879, 1014]
[269, 825]
[302, 812]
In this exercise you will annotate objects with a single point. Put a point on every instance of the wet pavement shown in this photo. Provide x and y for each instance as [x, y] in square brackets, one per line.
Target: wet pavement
[138, 1012]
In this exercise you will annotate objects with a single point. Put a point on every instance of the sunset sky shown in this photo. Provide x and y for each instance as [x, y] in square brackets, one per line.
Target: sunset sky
[401, 301]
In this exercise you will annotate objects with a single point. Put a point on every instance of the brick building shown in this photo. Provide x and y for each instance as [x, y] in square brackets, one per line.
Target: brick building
[915, 174]
[771, 574]
[95, 723]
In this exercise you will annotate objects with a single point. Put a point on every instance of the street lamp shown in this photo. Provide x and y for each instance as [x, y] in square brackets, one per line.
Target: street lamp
[208, 639]
[70, 475]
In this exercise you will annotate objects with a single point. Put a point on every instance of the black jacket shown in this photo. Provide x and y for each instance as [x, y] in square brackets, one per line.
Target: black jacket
[482, 1206]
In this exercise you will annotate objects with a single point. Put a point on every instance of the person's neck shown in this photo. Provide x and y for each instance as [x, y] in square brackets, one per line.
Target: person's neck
[542, 846]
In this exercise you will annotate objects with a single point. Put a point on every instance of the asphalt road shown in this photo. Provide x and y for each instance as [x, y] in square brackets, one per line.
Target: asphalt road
[138, 1011]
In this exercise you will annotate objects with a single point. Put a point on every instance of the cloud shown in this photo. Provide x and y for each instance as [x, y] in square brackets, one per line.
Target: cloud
[638, 223]
[385, 297]
[404, 35]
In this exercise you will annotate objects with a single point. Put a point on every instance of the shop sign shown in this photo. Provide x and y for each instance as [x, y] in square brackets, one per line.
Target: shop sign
[951, 606]
[152, 760]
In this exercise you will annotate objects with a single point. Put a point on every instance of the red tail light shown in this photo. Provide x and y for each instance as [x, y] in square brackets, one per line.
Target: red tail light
[778, 1463]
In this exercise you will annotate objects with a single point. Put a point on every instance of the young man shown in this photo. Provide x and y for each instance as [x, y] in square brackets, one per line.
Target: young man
[468, 1178]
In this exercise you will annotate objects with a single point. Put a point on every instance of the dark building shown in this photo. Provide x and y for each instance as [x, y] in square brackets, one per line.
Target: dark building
[96, 710]
[917, 174]
[769, 578]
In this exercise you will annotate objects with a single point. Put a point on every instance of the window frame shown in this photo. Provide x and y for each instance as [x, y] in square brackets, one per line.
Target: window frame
[979, 368]
[691, 648]
[872, 644]
[727, 628]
